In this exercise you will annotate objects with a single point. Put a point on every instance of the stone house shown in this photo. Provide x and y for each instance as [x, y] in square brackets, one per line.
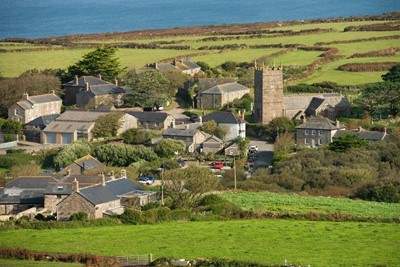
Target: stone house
[81, 165]
[33, 129]
[235, 126]
[192, 137]
[75, 125]
[317, 131]
[184, 65]
[92, 92]
[23, 193]
[99, 200]
[32, 107]
[212, 145]
[153, 120]
[221, 94]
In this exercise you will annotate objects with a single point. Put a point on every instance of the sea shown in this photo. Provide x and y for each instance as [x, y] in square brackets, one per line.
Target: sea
[44, 18]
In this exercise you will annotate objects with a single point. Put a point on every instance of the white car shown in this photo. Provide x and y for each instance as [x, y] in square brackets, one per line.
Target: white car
[253, 149]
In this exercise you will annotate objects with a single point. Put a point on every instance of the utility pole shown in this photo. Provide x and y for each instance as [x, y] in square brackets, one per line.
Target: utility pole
[162, 186]
[234, 172]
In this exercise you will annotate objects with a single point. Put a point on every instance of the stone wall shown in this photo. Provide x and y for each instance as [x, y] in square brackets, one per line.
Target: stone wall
[72, 204]
[51, 201]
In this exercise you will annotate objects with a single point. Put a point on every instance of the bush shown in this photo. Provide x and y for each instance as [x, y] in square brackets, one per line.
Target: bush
[380, 192]
[168, 148]
[123, 155]
[131, 216]
[79, 216]
[16, 159]
[139, 136]
[107, 125]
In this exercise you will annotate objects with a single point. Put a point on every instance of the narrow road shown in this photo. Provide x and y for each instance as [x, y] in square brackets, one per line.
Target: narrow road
[264, 155]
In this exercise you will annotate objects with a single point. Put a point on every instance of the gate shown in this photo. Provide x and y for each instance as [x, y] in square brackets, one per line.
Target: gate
[136, 260]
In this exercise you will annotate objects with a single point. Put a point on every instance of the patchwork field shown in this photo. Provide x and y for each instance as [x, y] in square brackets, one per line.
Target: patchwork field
[13, 63]
[263, 241]
[296, 204]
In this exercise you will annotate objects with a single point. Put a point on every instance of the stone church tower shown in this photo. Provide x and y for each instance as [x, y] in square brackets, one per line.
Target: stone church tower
[268, 93]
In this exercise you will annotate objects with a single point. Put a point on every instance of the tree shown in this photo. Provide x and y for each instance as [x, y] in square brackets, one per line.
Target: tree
[139, 136]
[70, 153]
[346, 142]
[283, 146]
[122, 155]
[168, 148]
[279, 126]
[381, 98]
[211, 127]
[107, 125]
[148, 89]
[203, 65]
[393, 75]
[33, 83]
[30, 169]
[186, 186]
[100, 61]
[229, 66]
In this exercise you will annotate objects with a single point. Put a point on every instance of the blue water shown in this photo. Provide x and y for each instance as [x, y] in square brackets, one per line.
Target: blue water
[40, 18]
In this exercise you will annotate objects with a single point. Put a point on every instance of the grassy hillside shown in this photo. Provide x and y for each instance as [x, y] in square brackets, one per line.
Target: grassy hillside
[14, 63]
[264, 241]
[292, 203]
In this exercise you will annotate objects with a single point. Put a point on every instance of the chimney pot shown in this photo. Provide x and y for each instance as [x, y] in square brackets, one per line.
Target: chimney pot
[116, 82]
[76, 80]
[75, 185]
[201, 120]
[87, 86]
[103, 179]
[99, 76]
[26, 96]
[123, 173]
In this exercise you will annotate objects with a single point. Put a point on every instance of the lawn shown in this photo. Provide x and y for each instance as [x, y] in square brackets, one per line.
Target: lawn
[23, 263]
[292, 203]
[298, 58]
[263, 241]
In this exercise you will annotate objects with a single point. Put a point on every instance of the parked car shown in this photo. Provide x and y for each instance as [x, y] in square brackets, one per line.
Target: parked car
[218, 165]
[253, 149]
[146, 179]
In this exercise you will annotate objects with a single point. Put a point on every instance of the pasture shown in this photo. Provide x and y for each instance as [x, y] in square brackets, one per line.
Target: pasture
[297, 204]
[42, 57]
[262, 241]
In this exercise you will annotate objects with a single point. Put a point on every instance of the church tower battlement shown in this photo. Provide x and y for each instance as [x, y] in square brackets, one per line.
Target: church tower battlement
[268, 93]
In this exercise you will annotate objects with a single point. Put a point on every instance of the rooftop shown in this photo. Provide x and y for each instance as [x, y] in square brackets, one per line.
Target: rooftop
[37, 99]
[224, 117]
[319, 123]
[225, 88]
[149, 116]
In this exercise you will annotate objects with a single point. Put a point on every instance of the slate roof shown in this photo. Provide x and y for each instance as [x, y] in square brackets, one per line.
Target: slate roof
[149, 116]
[88, 162]
[319, 123]
[68, 126]
[179, 64]
[225, 88]
[34, 182]
[364, 134]
[224, 117]
[207, 83]
[111, 191]
[97, 85]
[43, 121]
[180, 132]
[80, 116]
[315, 103]
[38, 99]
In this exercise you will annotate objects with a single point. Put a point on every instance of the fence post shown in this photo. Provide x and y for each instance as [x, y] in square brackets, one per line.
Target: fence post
[150, 258]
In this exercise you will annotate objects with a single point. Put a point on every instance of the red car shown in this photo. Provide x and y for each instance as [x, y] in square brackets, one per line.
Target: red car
[218, 165]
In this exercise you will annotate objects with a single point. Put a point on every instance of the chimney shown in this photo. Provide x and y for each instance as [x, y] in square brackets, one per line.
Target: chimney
[103, 179]
[156, 65]
[25, 96]
[360, 128]
[68, 172]
[99, 76]
[112, 175]
[385, 130]
[52, 92]
[337, 123]
[187, 127]
[76, 80]
[123, 173]
[75, 185]
[116, 82]
[87, 86]
[200, 120]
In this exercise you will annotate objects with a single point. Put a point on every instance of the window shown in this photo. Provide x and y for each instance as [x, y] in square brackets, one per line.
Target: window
[305, 141]
[306, 132]
[319, 132]
[319, 141]
[312, 132]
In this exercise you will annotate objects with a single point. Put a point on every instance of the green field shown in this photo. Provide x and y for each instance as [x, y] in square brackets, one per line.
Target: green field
[14, 63]
[296, 204]
[23, 263]
[263, 241]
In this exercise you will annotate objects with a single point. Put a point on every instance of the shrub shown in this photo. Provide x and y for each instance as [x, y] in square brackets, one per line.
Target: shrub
[139, 136]
[79, 216]
[107, 125]
[389, 192]
[131, 216]
[168, 148]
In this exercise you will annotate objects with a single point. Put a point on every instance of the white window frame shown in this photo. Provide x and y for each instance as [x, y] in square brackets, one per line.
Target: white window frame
[312, 132]
[306, 132]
